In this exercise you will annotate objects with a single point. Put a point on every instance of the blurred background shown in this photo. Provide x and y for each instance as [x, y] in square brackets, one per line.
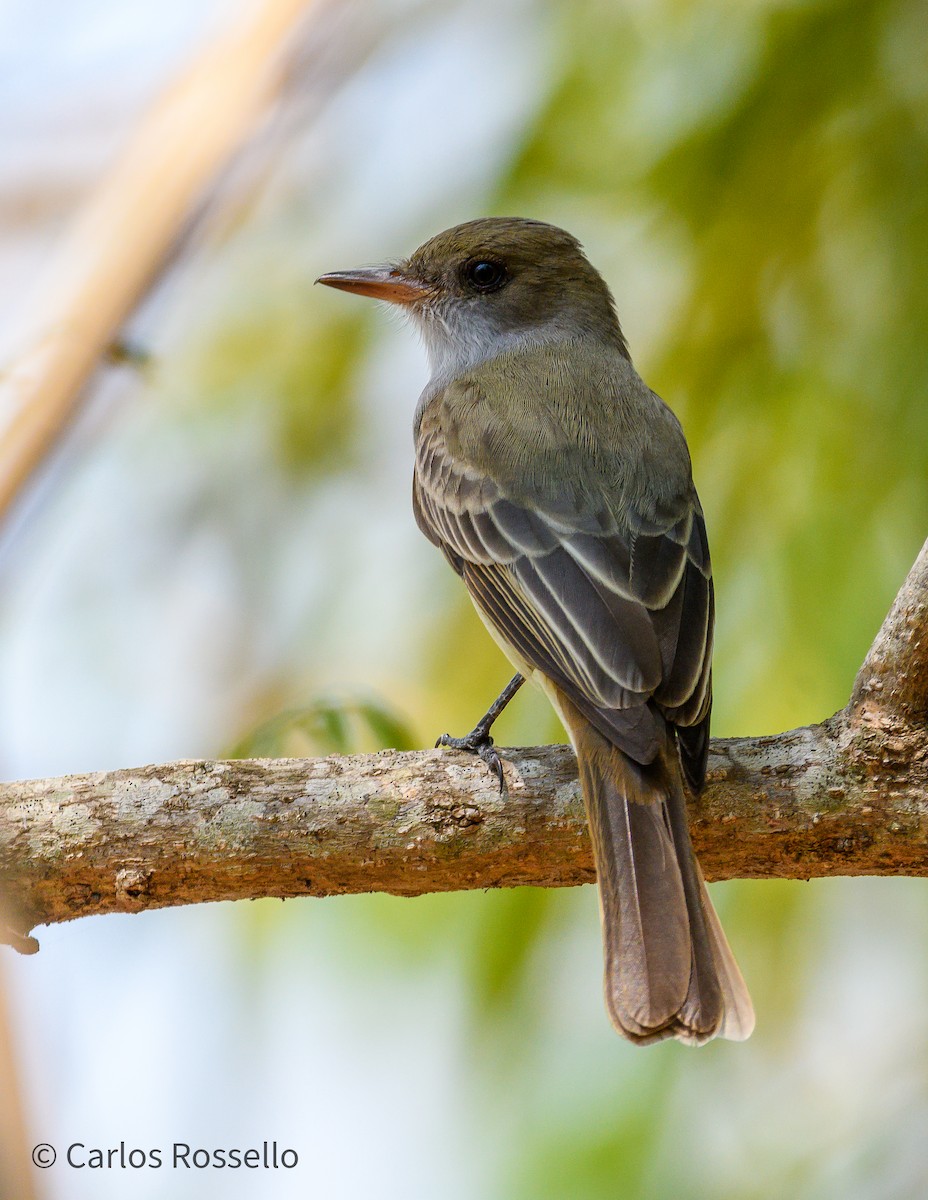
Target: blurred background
[220, 557]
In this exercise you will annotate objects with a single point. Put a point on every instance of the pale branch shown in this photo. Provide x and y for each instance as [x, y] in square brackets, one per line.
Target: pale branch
[847, 797]
[894, 677]
[131, 224]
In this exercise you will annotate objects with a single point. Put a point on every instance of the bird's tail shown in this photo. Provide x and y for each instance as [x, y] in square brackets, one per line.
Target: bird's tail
[669, 971]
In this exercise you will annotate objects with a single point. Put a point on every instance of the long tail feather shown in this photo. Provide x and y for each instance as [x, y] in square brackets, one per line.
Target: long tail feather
[669, 971]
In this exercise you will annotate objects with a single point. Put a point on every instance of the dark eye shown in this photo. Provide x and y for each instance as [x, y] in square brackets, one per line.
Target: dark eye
[485, 275]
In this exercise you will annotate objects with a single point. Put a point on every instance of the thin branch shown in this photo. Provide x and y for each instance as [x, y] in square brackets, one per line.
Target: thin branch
[847, 797]
[17, 1172]
[128, 227]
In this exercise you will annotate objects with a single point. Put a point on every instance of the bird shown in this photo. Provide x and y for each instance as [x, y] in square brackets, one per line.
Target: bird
[559, 487]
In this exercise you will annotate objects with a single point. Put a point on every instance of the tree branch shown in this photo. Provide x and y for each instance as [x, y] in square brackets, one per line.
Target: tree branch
[894, 677]
[847, 797]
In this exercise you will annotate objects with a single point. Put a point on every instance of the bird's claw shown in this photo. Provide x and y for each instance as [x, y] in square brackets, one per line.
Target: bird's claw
[478, 742]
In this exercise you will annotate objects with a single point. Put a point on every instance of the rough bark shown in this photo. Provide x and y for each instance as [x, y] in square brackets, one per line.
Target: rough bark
[894, 677]
[846, 797]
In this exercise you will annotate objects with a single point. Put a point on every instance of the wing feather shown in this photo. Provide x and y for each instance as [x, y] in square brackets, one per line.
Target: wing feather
[614, 605]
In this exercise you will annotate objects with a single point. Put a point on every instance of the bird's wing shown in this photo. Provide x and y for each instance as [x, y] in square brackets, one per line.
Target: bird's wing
[616, 611]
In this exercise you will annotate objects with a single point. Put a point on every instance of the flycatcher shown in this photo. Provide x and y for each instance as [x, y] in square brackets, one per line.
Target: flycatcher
[559, 487]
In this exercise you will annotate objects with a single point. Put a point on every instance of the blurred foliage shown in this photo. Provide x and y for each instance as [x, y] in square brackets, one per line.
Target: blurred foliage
[328, 726]
[263, 363]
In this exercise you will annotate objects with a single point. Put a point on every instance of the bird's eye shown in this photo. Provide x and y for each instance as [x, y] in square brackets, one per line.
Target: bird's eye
[484, 275]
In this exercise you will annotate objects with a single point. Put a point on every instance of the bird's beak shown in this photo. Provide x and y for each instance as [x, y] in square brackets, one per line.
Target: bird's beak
[383, 283]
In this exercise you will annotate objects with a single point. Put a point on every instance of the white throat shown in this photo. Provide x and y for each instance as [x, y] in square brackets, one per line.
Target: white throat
[457, 339]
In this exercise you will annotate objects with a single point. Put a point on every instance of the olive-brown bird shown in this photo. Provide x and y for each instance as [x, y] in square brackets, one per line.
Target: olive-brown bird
[559, 487]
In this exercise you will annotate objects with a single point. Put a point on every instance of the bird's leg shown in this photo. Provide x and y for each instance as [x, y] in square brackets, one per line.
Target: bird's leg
[478, 741]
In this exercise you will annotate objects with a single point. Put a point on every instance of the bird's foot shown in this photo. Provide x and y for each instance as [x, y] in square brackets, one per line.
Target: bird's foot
[478, 742]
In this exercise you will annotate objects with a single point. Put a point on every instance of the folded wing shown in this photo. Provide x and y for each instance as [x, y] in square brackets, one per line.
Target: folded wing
[615, 607]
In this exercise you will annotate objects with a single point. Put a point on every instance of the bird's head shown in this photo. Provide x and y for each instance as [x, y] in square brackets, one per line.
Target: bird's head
[490, 286]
